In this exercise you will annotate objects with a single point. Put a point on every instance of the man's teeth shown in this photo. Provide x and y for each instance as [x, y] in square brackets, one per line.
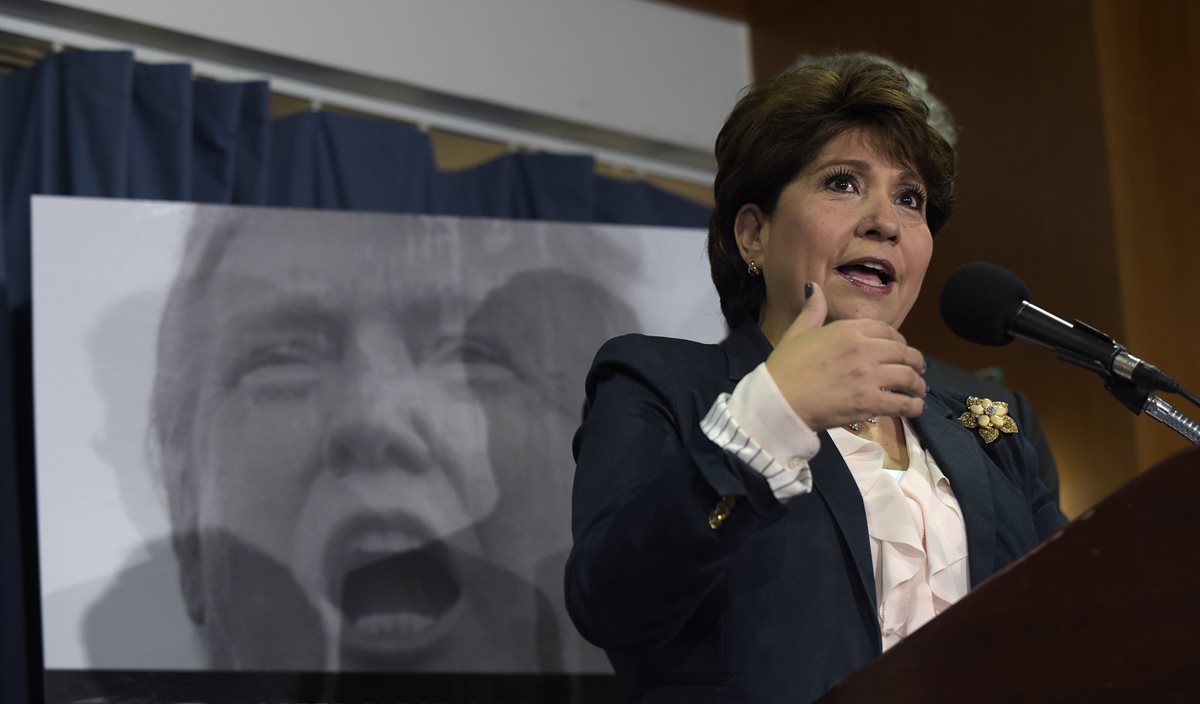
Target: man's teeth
[387, 542]
[394, 624]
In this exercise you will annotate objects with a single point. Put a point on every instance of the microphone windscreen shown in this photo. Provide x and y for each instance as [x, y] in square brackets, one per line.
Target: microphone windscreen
[979, 301]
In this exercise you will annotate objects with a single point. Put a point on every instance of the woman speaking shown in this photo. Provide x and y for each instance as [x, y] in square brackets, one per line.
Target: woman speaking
[755, 520]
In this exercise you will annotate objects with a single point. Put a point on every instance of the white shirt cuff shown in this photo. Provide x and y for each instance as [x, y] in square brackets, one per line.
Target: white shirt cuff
[757, 426]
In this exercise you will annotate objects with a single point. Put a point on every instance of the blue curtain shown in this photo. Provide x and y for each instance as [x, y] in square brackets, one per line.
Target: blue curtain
[99, 124]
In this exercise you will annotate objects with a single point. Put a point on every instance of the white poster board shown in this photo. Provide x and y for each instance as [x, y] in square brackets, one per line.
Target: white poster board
[277, 439]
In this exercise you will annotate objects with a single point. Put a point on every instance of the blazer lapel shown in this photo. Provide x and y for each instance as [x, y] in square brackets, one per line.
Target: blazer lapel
[746, 348]
[964, 462]
[835, 485]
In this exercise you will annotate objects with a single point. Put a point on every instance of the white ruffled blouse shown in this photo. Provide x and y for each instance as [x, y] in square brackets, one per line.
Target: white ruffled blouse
[918, 537]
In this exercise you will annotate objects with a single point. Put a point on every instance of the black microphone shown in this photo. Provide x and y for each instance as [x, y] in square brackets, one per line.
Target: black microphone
[989, 305]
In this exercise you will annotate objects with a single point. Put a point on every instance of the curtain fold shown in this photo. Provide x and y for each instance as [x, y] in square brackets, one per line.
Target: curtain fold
[520, 186]
[230, 140]
[99, 124]
[62, 131]
[19, 638]
[343, 162]
[160, 133]
[640, 203]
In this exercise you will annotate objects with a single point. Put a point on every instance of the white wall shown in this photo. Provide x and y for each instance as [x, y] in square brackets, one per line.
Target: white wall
[644, 68]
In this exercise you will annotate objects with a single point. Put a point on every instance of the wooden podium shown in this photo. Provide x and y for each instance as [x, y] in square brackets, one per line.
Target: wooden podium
[1108, 610]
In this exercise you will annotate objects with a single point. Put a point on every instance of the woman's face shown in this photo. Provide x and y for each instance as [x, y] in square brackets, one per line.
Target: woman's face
[852, 222]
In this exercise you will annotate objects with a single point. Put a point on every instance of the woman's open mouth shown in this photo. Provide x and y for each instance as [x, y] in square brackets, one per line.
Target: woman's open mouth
[875, 275]
[398, 592]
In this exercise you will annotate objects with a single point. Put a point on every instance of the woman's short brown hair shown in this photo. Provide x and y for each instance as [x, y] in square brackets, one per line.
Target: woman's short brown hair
[780, 125]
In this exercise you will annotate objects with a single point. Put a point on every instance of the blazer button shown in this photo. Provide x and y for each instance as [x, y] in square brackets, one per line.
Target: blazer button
[717, 516]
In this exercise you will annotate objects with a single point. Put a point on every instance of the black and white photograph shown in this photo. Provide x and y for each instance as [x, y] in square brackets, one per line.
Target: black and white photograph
[321, 441]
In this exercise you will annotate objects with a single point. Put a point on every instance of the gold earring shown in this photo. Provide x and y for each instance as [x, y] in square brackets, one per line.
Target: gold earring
[752, 267]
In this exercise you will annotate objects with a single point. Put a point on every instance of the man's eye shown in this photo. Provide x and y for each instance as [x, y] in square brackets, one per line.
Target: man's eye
[281, 372]
[469, 351]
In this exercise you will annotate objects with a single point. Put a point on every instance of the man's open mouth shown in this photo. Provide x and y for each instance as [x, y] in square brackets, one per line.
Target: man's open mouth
[396, 591]
[874, 274]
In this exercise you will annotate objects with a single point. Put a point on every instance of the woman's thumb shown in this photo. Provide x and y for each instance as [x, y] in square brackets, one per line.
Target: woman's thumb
[812, 316]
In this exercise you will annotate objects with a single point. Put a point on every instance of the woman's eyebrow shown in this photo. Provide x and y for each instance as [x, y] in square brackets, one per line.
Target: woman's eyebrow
[857, 164]
[424, 306]
[906, 174]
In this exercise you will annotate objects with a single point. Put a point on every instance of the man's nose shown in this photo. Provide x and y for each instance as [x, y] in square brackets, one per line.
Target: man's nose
[376, 420]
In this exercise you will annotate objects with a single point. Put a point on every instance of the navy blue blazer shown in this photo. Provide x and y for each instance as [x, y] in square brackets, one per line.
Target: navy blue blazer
[778, 603]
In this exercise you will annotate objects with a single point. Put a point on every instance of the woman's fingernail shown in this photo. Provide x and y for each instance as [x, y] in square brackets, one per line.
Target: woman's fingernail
[808, 290]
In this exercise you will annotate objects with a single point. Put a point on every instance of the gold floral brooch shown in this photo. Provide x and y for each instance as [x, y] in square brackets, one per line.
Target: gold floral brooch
[991, 417]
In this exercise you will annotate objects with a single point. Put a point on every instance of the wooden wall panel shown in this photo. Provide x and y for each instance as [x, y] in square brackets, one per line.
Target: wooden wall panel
[1023, 81]
[1149, 56]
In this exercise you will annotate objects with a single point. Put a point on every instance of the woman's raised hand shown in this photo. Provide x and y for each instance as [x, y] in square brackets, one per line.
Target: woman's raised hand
[845, 371]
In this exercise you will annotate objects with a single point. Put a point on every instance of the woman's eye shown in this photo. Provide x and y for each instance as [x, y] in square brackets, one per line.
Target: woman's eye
[482, 360]
[912, 199]
[841, 182]
[462, 350]
[471, 353]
